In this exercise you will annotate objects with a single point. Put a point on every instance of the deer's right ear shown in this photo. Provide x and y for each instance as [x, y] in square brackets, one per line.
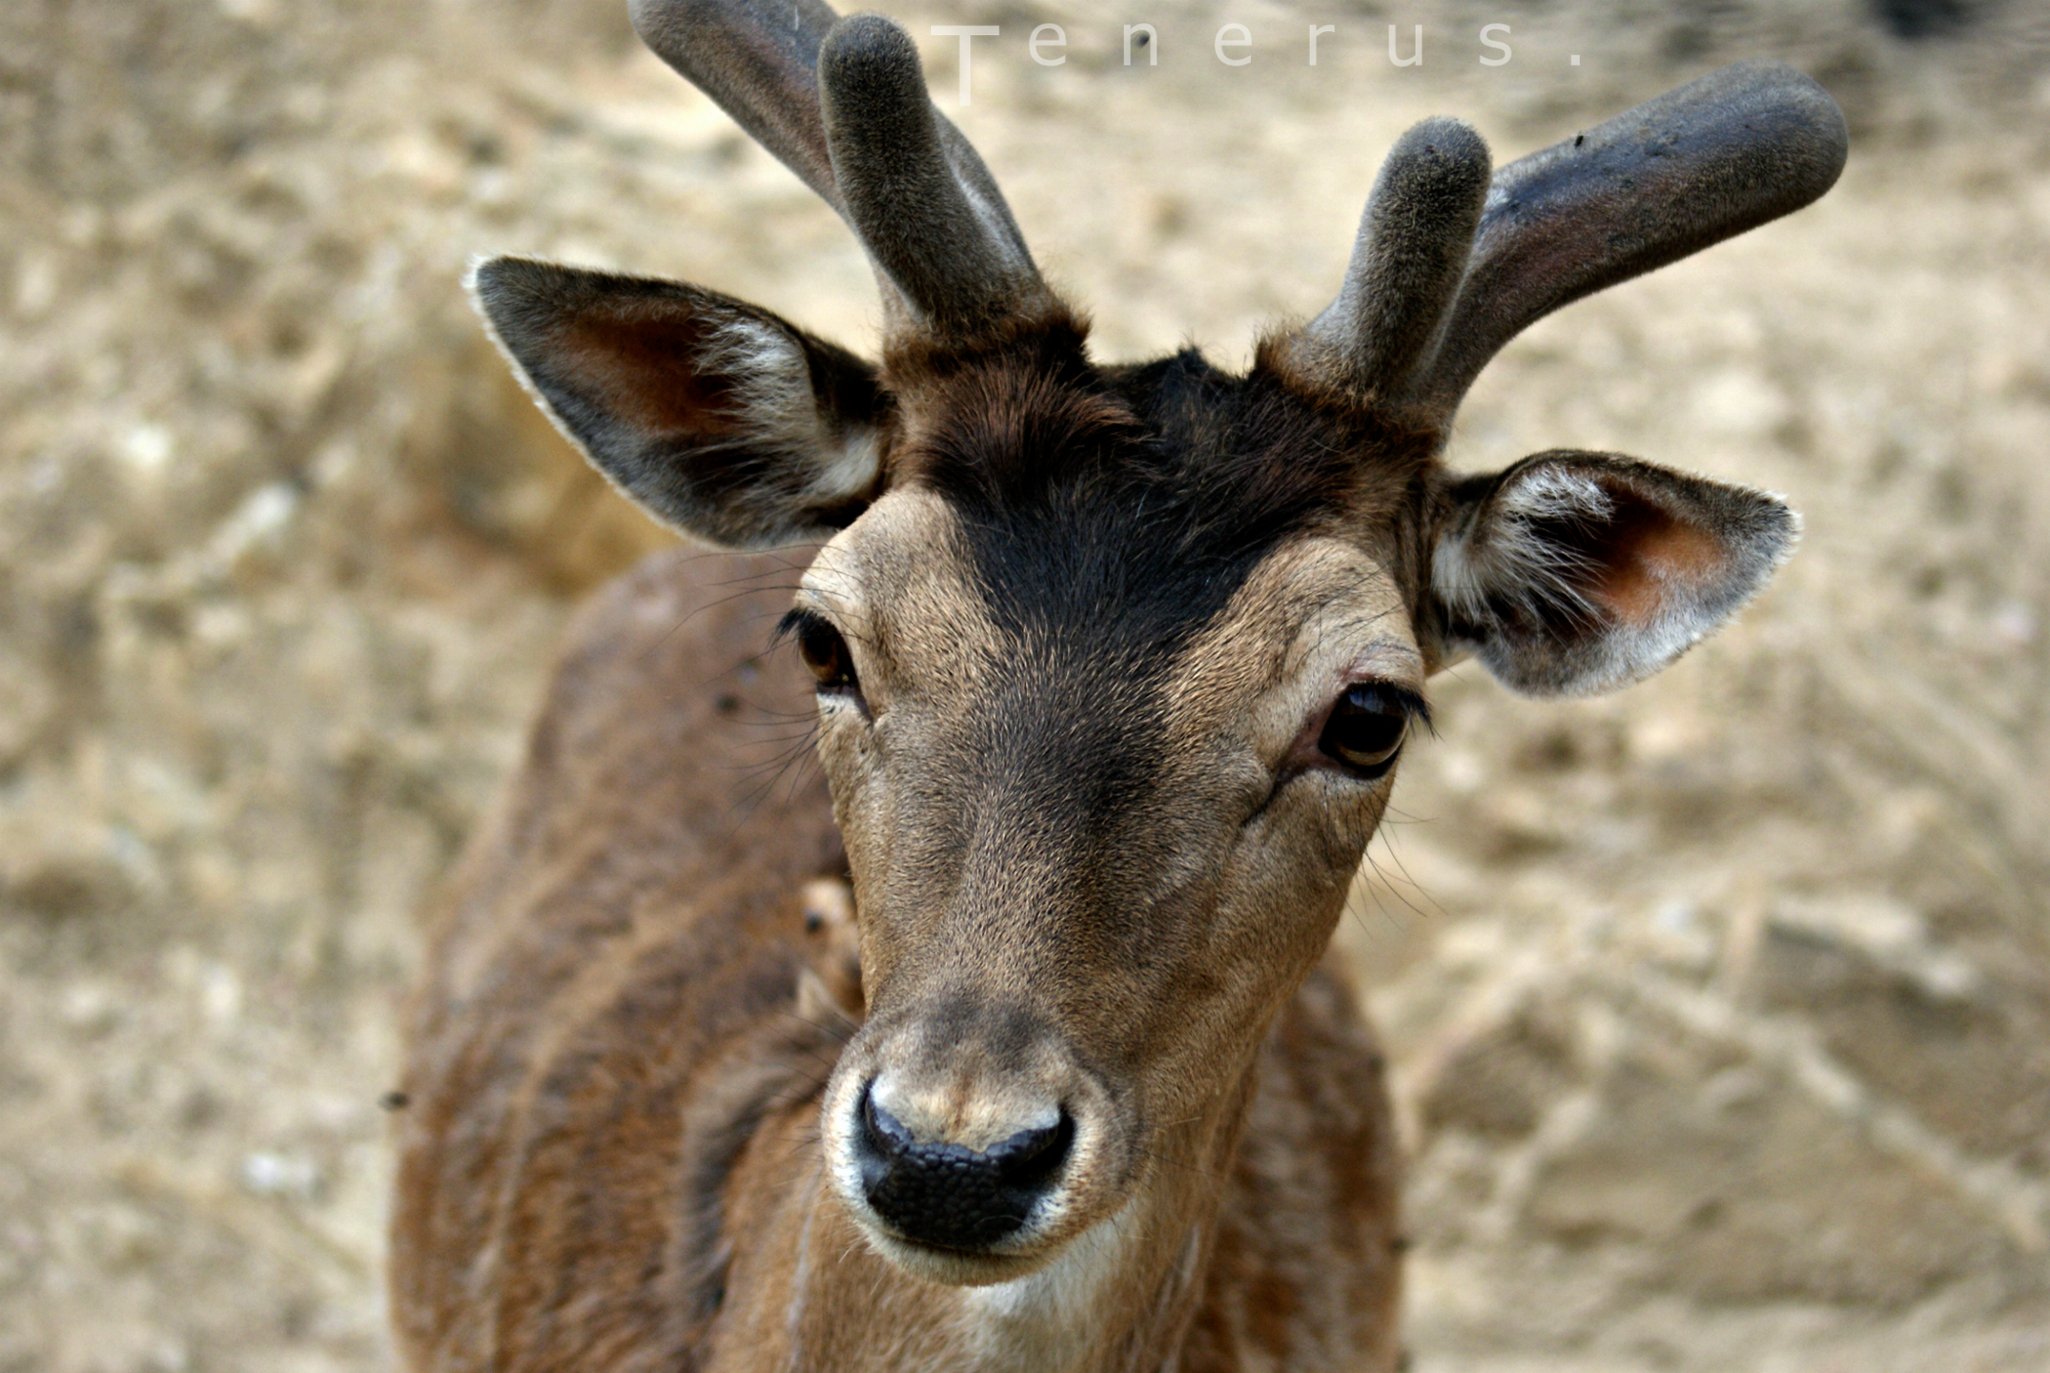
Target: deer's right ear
[718, 418]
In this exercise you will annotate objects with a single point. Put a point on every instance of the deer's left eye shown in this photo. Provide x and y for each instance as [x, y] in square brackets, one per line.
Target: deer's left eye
[1366, 728]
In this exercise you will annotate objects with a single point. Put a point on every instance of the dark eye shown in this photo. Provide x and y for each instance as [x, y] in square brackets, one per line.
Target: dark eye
[823, 650]
[1366, 729]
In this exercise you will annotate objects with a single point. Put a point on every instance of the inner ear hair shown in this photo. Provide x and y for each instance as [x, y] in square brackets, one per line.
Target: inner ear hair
[1571, 573]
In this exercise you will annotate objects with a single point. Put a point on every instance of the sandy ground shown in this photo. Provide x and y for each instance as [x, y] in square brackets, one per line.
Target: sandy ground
[1721, 1008]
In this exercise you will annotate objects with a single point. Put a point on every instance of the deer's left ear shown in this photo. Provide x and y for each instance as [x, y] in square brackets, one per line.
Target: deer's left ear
[717, 417]
[1571, 573]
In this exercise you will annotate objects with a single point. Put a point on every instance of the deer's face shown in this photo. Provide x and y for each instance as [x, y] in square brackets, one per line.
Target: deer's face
[1115, 665]
[1103, 785]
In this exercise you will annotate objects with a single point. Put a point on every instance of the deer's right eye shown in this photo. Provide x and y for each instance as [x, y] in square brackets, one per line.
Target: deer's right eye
[823, 649]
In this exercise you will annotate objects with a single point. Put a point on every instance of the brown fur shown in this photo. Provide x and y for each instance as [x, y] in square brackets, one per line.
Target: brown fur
[611, 1158]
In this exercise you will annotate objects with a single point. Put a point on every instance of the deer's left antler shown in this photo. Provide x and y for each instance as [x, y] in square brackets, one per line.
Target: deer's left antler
[1441, 279]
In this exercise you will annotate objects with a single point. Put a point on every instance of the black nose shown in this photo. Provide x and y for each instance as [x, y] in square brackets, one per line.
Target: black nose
[949, 1195]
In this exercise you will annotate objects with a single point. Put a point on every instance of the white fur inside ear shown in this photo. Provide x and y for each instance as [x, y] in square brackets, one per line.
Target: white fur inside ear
[1475, 570]
[771, 385]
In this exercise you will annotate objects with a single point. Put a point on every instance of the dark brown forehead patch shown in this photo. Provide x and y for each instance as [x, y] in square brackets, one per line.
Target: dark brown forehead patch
[1117, 510]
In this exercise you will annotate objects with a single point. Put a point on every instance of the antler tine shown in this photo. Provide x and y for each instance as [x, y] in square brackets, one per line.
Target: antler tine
[1720, 155]
[843, 103]
[759, 60]
[917, 194]
[1414, 238]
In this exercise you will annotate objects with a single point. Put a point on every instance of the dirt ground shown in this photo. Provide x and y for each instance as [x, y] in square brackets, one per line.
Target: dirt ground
[1720, 1008]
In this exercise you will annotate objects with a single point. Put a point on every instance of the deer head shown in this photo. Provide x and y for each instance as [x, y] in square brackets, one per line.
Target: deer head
[1115, 663]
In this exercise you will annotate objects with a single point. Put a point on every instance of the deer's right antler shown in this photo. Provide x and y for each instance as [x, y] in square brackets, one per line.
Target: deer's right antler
[843, 103]
[1440, 280]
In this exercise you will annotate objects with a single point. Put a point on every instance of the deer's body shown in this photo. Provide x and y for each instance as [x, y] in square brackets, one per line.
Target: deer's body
[1009, 1047]
[615, 1079]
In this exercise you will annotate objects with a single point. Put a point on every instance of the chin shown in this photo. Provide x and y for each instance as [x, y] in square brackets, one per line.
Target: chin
[961, 1267]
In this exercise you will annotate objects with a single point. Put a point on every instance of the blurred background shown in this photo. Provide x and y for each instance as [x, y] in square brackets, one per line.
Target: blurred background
[1720, 1008]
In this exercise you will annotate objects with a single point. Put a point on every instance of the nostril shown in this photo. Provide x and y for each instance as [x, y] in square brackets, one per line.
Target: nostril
[885, 1133]
[1030, 1158]
[881, 1142]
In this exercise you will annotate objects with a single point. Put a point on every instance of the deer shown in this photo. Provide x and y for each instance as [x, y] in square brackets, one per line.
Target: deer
[1010, 1038]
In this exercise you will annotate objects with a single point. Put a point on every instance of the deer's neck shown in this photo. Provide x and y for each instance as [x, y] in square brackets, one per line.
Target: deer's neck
[1119, 1297]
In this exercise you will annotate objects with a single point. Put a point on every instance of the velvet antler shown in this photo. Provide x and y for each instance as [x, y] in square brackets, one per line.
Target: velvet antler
[1439, 281]
[843, 103]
